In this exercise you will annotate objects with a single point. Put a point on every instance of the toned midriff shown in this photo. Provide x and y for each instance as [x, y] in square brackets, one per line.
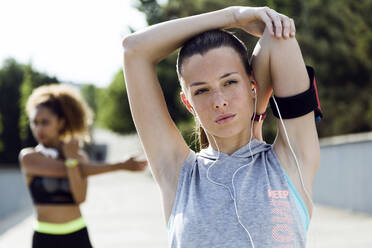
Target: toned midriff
[57, 213]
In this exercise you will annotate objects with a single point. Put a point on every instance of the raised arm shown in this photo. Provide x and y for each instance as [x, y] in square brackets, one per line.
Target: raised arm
[279, 65]
[131, 164]
[163, 144]
[78, 183]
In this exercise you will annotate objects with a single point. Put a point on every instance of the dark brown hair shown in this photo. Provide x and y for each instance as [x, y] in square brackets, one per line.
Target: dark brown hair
[201, 44]
[66, 103]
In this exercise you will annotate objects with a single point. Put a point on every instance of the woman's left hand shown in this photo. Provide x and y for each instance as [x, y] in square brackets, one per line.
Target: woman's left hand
[254, 20]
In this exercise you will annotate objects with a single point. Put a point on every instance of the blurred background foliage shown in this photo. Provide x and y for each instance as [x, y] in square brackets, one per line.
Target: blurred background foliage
[334, 36]
[16, 84]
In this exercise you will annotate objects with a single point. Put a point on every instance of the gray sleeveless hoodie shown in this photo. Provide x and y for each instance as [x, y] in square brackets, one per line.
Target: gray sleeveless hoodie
[269, 206]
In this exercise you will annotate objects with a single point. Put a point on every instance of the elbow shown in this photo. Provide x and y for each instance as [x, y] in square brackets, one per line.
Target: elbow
[25, 156]
[130, 45]
[273, 43]
[126, 42]
[80, 198]
[26, 160]
[136, 47]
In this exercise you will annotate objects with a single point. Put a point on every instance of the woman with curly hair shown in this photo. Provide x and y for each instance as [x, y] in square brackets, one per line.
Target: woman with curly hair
[56, 170]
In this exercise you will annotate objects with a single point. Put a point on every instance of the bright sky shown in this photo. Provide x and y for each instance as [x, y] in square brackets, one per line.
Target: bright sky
[75, 40]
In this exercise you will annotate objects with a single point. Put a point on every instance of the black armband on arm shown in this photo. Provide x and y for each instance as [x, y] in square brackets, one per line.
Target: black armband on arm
[300, 104]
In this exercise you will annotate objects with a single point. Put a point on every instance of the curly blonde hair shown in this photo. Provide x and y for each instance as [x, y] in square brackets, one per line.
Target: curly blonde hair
[68, 104]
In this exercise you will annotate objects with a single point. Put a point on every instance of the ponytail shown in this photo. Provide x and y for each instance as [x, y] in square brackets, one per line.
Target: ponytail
[203, 140]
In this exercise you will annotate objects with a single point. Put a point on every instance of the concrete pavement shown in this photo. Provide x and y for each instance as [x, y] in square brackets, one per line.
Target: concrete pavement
[123, 209]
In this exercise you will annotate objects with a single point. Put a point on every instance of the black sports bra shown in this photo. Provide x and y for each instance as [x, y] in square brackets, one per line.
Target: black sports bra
[49, 190]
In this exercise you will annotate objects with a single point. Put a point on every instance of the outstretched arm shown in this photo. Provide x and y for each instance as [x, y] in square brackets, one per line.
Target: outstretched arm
[131, 164]
[34, 163]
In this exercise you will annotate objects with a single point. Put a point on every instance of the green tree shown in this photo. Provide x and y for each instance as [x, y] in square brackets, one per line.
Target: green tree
[113, 107]
[1, 131]
[31, 80]
[25, 92]
[11, 77]
[90, 94]
[16, 84]
[338, 44]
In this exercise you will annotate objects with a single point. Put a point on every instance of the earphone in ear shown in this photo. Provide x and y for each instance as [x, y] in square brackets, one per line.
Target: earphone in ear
[254, 87]
[187, 103]
[191, 109]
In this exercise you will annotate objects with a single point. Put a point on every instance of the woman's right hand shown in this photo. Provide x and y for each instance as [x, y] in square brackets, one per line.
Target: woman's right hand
[254, 20]
[133, 164]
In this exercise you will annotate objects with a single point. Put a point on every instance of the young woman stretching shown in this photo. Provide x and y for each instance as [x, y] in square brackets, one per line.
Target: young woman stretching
[237, 191]
[56, 170]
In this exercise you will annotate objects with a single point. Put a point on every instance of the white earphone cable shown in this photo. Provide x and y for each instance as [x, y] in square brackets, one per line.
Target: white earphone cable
[293, 153]
[233, 194]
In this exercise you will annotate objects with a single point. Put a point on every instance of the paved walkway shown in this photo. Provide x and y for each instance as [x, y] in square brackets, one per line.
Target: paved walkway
[123, 209]
[333, 228]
